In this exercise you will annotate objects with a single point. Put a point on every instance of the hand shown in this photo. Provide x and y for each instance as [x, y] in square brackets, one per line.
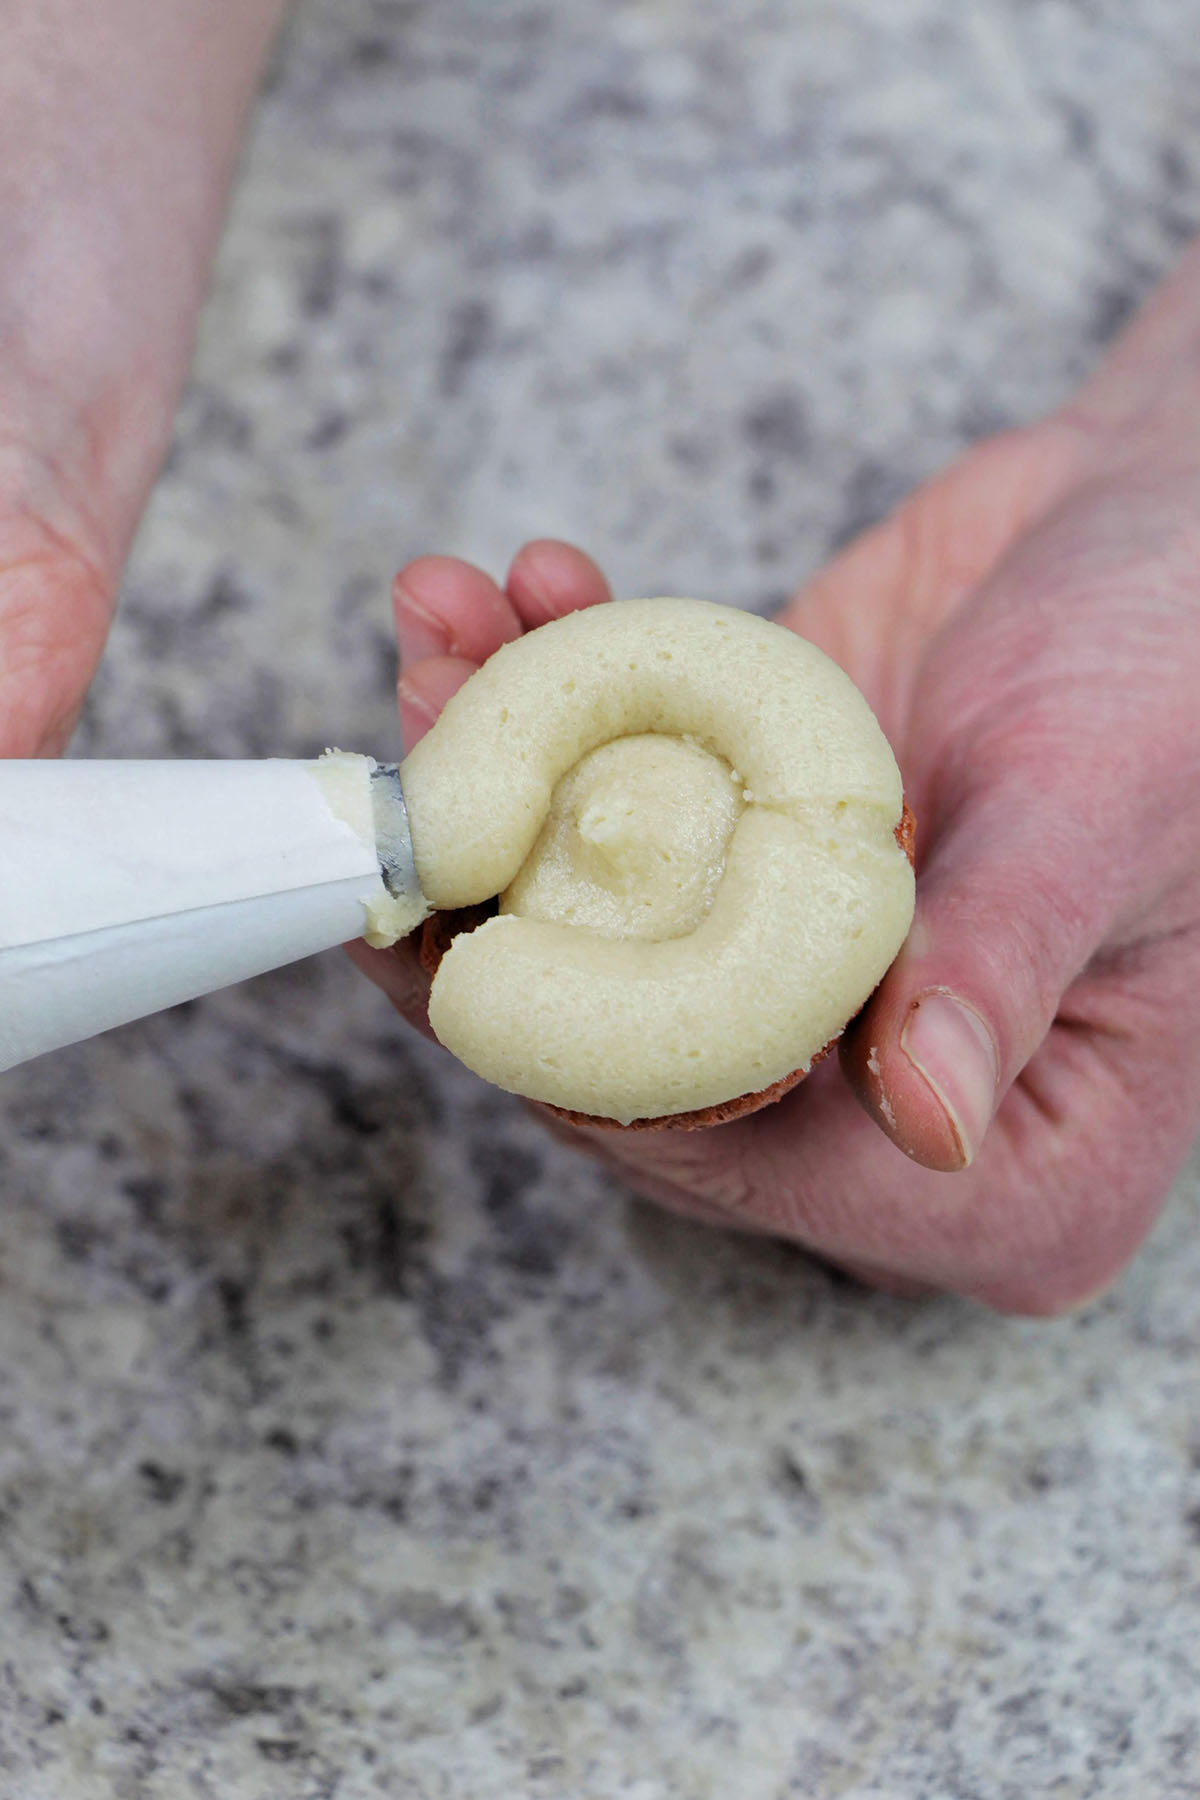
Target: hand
[56, 591]
[118, 133]
[1027, 628]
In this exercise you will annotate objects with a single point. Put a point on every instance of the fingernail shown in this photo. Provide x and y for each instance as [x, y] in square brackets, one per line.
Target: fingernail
[410, 697]
[420, 633]
[534, 589]
[951, 1048]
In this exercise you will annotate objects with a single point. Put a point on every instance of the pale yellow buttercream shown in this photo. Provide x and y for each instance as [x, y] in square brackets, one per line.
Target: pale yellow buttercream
[689, 813]
[634, 843]
[344, 778]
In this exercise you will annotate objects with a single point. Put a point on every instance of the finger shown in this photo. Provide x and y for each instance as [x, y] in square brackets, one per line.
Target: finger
[813, 1168]
[398, 973]
[1043, 1223]
[693, 1179]
[1010, 1232]
[424, 689]
[1009, 907]
[446, 607]
[1020, 882]
[549, 578]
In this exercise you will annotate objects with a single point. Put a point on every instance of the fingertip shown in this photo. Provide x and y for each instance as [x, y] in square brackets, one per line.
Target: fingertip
[549, 578]
[423, 690]
[446, 607]
[898, 1095]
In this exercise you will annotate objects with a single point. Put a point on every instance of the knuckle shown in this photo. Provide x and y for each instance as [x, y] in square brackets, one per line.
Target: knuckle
[693, 1168]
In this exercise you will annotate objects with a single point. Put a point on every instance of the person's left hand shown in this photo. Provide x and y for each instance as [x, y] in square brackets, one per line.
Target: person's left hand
[1027, 628]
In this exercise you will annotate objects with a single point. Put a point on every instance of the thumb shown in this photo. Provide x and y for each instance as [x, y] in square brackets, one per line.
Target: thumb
[1016, 890]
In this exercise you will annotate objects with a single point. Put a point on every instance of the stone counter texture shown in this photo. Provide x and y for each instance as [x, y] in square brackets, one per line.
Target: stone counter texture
[355, 1440]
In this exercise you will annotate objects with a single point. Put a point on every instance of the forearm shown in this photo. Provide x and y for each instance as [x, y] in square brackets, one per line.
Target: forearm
[119, 127]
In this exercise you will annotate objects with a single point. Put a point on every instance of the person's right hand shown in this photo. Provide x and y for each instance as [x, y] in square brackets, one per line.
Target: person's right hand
[118, 131]
[56, 593]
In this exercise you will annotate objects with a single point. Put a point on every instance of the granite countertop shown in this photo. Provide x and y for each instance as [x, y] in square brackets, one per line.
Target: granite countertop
[358, 1441]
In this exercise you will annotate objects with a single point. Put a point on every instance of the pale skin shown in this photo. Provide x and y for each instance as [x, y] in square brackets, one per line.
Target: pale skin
[119, 129]
[1027, 627]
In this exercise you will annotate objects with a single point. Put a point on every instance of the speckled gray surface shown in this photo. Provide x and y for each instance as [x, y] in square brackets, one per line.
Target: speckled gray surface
[355, 1441]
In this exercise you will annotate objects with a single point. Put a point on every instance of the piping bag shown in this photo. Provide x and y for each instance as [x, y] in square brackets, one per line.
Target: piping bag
[126, 887]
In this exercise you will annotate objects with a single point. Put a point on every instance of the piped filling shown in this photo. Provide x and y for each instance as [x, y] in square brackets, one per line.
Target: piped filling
[689, 817]
[635, 841]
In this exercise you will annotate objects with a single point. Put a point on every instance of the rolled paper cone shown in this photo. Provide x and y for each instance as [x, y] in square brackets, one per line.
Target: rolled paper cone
[126, 887]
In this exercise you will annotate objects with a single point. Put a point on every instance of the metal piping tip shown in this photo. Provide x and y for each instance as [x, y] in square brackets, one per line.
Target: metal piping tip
[393, 839]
